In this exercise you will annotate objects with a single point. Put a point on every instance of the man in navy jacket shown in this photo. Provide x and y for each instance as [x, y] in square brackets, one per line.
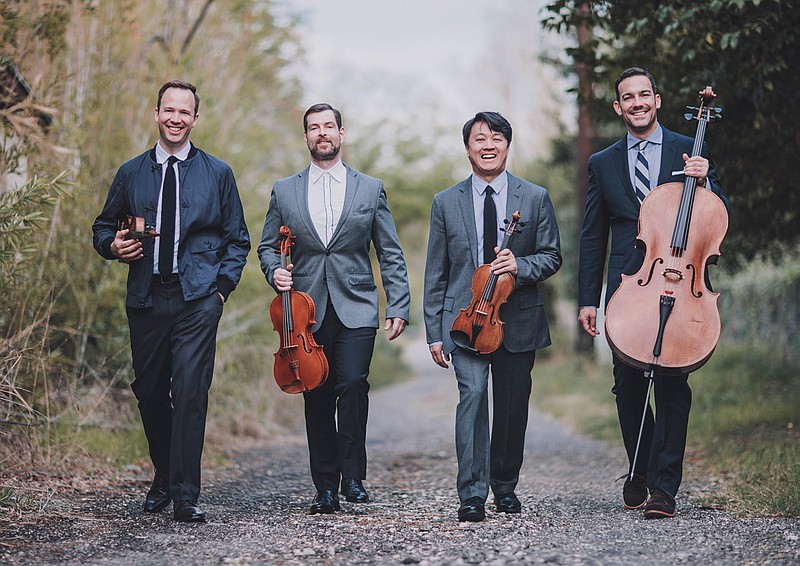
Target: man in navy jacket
[612, 207]
[177, 284]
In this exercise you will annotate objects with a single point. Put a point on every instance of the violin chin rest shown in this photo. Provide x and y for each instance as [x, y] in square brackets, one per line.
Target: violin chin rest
[462, 340]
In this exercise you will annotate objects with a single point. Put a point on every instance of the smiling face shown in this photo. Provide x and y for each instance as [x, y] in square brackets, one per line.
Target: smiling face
[637, 105]
[175, 118]
[487, 151]
[323, 137]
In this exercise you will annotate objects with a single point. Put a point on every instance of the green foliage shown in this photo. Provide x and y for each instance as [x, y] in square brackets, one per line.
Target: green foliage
[760, 305]
[746, 50]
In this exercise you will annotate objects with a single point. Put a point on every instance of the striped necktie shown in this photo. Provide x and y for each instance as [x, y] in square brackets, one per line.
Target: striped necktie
[642, 173]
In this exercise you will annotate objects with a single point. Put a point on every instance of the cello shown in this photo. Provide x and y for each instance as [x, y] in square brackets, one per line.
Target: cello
[300, 363]
[665, 316]
[478, 328]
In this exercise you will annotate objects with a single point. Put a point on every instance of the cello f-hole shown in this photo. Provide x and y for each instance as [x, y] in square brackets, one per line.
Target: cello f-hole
[650, 275]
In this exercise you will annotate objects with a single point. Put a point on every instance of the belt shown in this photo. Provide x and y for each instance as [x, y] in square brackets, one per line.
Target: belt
[170, 279]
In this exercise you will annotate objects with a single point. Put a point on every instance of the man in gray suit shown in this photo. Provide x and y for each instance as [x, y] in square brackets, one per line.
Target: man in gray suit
[466, 225]
[336, 213]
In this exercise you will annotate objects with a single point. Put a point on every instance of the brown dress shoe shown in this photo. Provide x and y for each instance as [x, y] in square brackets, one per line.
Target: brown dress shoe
[660, 505]
[634, 492]
[158, 494]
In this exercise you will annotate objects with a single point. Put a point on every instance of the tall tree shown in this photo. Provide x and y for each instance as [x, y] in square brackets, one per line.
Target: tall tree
[745, 49]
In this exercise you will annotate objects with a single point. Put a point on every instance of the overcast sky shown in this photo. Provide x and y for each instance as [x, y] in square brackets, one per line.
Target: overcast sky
[434, 62]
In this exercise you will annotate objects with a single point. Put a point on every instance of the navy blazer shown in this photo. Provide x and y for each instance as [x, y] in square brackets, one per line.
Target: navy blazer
[611, 205]
[213, 243]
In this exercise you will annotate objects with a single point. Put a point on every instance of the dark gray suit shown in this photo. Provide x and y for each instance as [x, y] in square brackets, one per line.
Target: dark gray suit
[451, 263]
[339, 279]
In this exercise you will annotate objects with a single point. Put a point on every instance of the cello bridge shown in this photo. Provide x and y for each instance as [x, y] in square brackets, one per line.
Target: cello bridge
[671, 273]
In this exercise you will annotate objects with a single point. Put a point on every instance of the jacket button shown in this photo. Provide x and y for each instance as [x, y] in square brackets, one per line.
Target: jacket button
[327, 253]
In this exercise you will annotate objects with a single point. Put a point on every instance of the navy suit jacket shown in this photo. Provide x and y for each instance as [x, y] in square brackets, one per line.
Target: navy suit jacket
[611, 205]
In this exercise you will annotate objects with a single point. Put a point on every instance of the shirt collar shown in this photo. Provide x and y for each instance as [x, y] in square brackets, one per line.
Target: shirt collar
[498, 185]
[338, 172]
[162, 155]
[655, 138]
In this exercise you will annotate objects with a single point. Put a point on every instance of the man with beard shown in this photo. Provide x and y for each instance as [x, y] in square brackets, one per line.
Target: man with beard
[620, 177]
[336, 213]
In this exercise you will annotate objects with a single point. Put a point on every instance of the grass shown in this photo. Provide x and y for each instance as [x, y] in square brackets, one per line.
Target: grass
[743, 426]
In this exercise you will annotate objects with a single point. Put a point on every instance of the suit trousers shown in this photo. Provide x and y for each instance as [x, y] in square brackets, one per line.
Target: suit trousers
[663, 444]
[495, 462]
[173, 346]
[336, 412]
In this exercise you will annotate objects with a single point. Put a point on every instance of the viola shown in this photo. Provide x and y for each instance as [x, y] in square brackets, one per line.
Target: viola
[300, 363]
[665, 316]
[478, 328]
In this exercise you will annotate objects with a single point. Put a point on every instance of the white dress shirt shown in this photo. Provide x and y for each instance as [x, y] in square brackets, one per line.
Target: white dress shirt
[326, 190]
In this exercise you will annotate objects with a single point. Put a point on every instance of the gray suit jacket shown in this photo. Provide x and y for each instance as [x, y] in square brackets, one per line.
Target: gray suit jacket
[453, 259]
[340, 272]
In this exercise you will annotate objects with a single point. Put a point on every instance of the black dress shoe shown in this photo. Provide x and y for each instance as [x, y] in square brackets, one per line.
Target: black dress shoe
[158, 494]
[354, 492]
[507, 503]
[188, 512]
[325, 502]
[634, 492]
[472, 510]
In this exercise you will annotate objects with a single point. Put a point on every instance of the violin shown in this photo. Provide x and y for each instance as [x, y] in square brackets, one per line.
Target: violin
[665, 316]
[137, 229]
[478, 328]
[300, 363]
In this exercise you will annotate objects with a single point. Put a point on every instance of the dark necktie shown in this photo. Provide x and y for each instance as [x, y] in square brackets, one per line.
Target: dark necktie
[489, 226]
[166, 247]
[642, 173]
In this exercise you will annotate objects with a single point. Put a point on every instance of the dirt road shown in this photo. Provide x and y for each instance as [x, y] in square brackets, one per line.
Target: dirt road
[572, 513]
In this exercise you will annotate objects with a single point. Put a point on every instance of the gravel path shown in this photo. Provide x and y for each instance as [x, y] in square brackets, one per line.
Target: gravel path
[572, 512]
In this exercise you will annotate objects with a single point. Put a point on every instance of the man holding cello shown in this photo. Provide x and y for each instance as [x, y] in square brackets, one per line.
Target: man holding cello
[336, 214]
[620, 177]
[467, 224]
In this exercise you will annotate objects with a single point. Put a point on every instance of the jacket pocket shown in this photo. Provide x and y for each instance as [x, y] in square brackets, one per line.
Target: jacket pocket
[205, 253]
[361, 280]
[448, 303]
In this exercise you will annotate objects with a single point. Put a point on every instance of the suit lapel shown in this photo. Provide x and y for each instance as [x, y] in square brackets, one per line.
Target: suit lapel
[668, 150]
[352, 184]
[620, 158]
[467, 209]
[301, 194]
[514, 199]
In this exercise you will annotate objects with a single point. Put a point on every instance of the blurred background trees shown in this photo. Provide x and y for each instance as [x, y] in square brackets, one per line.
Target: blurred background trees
[78, 82]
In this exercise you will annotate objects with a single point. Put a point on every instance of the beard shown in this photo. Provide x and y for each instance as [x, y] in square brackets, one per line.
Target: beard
[328, 155]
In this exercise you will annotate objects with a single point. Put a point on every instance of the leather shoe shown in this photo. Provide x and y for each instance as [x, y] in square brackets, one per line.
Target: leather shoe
[507, 503]
[472, 510]
[188, 512]
[158, 494]
[325, 502]
[634, 492]
[354, 492]
[660, 505]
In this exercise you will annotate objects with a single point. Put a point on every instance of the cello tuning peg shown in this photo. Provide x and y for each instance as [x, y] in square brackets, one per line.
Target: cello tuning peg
[688, 116]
